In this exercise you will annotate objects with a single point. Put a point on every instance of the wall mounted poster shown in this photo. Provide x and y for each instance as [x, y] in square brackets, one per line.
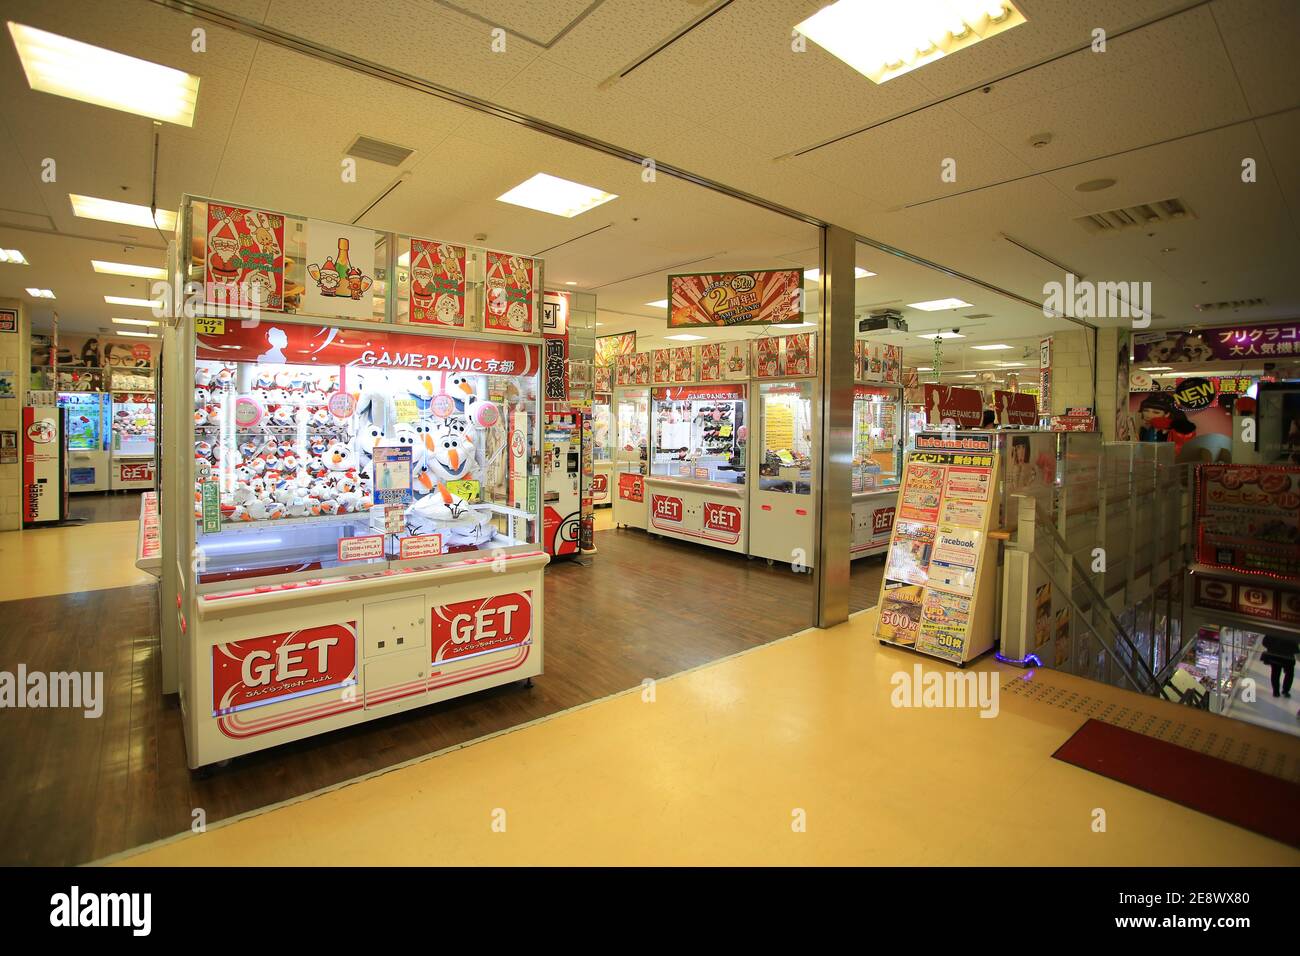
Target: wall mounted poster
[437, 287]
[683, 364]
[602, 379]
[767, 358]
[662, 366]
[735, 298]
[1248, 518]
[724, 362]
[798, 357]
[243, 262]
[340, 270]
[508, 293]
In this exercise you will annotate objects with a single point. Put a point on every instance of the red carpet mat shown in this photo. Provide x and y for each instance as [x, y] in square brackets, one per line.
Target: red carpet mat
[1252, 800]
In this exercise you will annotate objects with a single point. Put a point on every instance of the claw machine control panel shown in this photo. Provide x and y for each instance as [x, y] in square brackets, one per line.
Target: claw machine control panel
[86, 440]
[562, 482]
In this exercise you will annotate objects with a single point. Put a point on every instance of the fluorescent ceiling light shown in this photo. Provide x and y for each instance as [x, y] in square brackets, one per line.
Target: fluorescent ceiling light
[79, 71]
[40, 293]
[661, 304]
[990, 348]
[1011, 365]
[882, 39]
[684, 337]
[1158, 368]
[941, 335]
[138, 303]
[924, 368]
[13, 257]
[966, 376]
[135, 322]
[559, 197]
[129, 214]
[126, 269]
[570, 283]
[814, 275]
[139, 335]
[938, 305]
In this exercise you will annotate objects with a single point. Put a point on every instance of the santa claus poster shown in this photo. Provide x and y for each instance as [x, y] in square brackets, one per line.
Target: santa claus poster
[340, 270]
[243, 262]
[508, 299]
[437, 285]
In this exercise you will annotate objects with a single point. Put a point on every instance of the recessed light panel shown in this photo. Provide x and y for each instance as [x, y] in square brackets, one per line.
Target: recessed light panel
[91, 74]
[882, 39]
[137, 303]
[128, 214]
[938, 305]
[559, 197]
[126, 269]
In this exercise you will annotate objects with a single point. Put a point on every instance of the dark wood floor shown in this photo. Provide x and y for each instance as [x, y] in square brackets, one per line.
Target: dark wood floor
[75, 790]
[95, 506]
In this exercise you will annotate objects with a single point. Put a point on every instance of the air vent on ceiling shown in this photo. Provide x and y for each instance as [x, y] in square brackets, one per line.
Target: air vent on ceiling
[1230, 304]
[390, 154]
[1141, 216]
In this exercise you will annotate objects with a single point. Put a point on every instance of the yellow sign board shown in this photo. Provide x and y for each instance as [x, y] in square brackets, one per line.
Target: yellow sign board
[204, 325]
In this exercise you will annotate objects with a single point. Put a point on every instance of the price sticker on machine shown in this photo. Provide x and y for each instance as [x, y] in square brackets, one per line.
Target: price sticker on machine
[361, 548]
[211, 507]
[421, 546]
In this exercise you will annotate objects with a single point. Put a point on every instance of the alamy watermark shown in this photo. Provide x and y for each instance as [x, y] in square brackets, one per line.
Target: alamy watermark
[1084, 299]
[921, 688]
[74, 690]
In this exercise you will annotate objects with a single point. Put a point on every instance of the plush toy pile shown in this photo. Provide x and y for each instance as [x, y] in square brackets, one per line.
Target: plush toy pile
[298, 459]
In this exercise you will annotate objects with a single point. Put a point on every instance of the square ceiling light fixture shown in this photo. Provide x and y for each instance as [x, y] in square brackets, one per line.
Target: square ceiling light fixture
[13, 257]
[127, 269]
[128, 214]
[79, 71]
[40, 293]
[882, 39]
[938, 305]
[559, 197]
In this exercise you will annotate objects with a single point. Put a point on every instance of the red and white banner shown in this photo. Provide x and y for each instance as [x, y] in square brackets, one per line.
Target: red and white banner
[964, 406]
[294, 344]
[724, 518]
[135, 470]
[481, 625]
[666, 508]
[1015, 408]
[279, 667]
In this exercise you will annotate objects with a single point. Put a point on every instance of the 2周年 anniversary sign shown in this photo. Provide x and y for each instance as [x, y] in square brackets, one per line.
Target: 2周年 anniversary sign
[757, 297]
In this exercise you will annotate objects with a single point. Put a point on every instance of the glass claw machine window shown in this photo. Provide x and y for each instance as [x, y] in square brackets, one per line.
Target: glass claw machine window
[629, 452]
[602, 439]
[782, 522]
[696, 485]
[878, 449]
[87, 440]
[134, 428]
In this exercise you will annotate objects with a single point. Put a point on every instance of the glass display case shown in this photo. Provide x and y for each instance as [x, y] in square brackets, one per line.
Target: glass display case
[785, 448]
[87, 413]
[699, 433]
[630, 448]
[310, 448]
[133, 424]
[878, 446]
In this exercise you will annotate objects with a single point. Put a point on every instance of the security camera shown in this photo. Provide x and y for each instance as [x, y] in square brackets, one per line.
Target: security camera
[956, 331]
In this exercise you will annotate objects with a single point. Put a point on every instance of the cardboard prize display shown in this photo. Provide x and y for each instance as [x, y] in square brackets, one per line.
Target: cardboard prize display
[358, 529]
[938, 592]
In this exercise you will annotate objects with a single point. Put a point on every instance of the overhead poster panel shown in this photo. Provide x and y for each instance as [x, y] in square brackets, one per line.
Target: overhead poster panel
[758, 297]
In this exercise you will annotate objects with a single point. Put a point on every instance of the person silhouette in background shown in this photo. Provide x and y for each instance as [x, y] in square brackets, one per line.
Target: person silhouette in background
[1279, 655]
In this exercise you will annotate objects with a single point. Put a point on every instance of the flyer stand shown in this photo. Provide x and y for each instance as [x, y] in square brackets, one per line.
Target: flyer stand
[939, 588]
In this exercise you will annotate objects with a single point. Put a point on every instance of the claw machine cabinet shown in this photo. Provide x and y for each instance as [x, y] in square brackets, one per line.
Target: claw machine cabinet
[631, 446]
[561, 481]
[696, 485]
[87, 440]
[602, 440]
[133, 430]
[363, 535]
[877, 466]
[782, 514]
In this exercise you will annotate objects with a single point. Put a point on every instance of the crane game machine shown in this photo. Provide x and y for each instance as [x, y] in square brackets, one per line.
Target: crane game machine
[86, 439]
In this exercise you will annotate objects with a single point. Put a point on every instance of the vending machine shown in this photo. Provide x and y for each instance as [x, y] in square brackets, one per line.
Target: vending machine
[86, 440]
[562, 482]
[44, 475]
[133, 424]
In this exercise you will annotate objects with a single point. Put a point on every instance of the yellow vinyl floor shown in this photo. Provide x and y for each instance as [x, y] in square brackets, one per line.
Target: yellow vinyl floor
[65, 560]
[721, 764]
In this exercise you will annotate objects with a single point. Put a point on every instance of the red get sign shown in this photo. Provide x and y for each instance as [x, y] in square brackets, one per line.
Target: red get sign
[722, 517]
[666, 507]
[485, 624]
[264, 670]
[135, 471]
